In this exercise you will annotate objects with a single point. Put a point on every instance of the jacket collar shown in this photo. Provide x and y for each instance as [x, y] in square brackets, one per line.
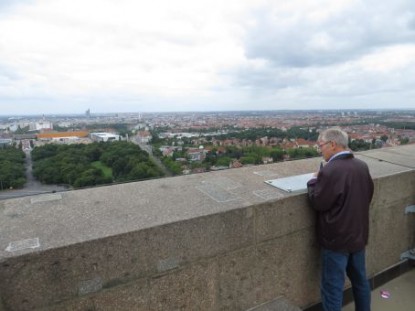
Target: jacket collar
[341, 155]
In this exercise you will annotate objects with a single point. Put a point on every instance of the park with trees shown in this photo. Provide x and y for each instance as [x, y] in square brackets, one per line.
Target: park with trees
[82, 165]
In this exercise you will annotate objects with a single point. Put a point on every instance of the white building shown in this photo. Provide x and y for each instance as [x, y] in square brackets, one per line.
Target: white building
[104, 137]
[41, 125]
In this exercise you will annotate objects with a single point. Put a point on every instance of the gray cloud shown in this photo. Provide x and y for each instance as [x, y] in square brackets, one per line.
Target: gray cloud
[339, 56]
[300, 41]
[268, 77]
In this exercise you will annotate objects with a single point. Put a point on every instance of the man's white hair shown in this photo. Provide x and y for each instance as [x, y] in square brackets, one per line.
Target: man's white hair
[335, 134]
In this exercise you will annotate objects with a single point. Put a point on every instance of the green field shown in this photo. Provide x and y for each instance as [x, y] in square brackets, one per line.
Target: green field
[105, 169]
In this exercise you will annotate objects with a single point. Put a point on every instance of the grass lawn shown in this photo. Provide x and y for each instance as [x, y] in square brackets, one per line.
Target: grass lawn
[105, 169]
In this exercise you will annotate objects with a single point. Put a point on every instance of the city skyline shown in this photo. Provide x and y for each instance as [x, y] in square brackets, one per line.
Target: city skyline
[64, 57]
[262, 113]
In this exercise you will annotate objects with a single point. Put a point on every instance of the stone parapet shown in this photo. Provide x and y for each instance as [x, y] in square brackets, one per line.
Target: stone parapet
[216, 241]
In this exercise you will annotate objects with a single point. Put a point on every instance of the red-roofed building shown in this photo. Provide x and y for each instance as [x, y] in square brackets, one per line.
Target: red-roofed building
[144, 137]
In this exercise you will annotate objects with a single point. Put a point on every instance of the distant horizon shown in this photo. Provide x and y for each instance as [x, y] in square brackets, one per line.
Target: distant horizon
[208, 111]
[211, 111]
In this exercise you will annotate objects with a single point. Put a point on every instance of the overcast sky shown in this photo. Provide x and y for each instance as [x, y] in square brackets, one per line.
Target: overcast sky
[65, 56]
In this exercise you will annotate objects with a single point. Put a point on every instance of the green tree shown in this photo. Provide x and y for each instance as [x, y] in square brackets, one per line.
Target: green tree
[223, 161]
[87, 165]
[404, 140]
[301, 153]
[12, 171]
[211, 157]
[90, 177]
[172, 165]
[248, 160]
[384, 138]
[359, 145]
[277, 154]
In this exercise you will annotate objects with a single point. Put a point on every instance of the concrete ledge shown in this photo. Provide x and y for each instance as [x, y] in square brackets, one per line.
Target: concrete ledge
[216, 241]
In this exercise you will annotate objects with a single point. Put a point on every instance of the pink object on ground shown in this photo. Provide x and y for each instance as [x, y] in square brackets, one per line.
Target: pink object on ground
[385, 294]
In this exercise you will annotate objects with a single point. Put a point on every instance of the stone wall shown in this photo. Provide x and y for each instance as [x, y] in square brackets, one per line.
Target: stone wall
[216, 241]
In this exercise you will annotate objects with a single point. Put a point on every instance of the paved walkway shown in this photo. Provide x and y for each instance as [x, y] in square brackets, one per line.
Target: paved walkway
[401, 293]
[32, 185]
[156, 160]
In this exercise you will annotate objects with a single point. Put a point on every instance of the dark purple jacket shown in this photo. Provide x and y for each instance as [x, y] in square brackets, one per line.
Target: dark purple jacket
[341, 195]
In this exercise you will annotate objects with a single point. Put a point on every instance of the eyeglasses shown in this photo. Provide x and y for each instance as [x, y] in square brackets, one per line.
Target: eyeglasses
[323, 144]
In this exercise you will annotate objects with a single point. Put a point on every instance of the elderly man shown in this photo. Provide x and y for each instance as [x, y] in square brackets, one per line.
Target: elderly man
[341, 193]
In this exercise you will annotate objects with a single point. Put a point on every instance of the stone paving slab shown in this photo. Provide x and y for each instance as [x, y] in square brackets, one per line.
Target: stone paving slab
[276, 305]
[400, 295]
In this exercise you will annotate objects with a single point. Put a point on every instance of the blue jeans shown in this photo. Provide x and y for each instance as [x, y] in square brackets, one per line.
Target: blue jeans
[334, 267]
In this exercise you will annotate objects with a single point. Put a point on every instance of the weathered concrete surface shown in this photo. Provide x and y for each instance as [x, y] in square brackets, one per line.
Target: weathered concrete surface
[216, 241]
[398, 155]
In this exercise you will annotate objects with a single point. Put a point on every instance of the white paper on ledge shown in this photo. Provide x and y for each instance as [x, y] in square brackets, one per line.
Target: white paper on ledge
[296, 183]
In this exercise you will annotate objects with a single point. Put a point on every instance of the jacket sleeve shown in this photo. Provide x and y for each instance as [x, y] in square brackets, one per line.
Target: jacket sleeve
[322, 192]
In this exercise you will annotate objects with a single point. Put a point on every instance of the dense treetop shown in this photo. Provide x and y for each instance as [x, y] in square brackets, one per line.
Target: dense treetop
[82, 165]
[12, 171]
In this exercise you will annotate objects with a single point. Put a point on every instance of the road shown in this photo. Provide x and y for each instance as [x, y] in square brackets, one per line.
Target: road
[156, 160]
[32, 186]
